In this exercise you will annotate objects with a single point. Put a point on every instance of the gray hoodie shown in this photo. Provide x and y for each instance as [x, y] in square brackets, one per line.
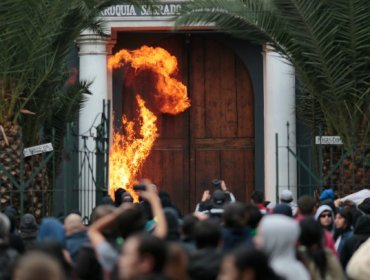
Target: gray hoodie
[320, 210]
[279, 235]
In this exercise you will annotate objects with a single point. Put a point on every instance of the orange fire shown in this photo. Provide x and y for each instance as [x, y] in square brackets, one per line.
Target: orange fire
[170, 94]
[129, 151]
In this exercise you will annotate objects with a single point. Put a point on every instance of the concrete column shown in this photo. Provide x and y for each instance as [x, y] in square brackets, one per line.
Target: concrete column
[279, 109]
[93, 68]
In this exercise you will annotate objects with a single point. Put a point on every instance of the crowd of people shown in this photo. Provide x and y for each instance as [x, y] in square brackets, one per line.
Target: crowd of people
[324, 238]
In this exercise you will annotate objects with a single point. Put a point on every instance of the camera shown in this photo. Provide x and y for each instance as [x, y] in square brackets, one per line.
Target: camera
[139, 187]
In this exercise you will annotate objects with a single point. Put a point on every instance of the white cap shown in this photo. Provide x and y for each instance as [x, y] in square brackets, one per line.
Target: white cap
[286, 196]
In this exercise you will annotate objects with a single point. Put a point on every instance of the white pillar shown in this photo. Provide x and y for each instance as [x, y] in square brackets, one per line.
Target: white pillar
[93, 68]
[279, 109]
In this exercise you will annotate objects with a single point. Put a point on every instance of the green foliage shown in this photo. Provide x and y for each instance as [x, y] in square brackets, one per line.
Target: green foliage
[328, 43]
[36, 39]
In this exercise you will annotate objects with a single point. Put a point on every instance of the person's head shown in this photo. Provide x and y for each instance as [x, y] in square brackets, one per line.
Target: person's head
[325, 217]
[38, 266]
[343, 219]
[362, 225]
[258, 197]
[73, 224]
[312, 233]
[118, 196]
[286, 196]
[329, 203]
[142, 255]
[11, 212]
[306, 205]
[218, 199]
[172, 219]
[364, 206]
[254, 215]
[327, 193]
[312, 238]
[207, 234]
[51, 229]
[28, 223]
[126, 197]
[188, 226]
[277, 235]
[177, 262]
[283, 209]
[54, 250]
[246, 263]
[101, 211]
[4, 226]
[235, 215]
[132, 221]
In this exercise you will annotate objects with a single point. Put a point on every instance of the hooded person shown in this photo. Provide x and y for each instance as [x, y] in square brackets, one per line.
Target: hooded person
[327, 194]
[360, 234]
[325, 216]
[286, 197]
[364, 206]
[358, 265]
[51, 229]
[277, 237]
[8, 255]
[28, 230]
[76, 235]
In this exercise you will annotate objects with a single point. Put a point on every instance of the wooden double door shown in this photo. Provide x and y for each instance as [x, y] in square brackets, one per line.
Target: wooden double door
[214, 138]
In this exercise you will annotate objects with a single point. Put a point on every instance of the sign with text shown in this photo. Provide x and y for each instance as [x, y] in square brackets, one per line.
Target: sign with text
[35, 150]
[328, 140]
[126, 10]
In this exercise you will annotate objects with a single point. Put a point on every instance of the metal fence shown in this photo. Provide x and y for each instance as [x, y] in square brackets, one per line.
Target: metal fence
[45, 184]
[324, 164]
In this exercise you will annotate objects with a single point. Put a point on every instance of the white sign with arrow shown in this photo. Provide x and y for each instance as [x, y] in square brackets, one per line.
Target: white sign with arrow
[35, 150]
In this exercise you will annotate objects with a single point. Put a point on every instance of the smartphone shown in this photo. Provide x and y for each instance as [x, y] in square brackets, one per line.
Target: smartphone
[139, 187]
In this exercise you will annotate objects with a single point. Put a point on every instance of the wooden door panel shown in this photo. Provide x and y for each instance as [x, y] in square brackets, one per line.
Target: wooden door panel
[244, 102]
[222, 131]
[215, 137]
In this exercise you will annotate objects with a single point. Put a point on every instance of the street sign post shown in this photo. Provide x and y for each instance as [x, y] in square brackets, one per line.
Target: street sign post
[328, 140]
[48, 147]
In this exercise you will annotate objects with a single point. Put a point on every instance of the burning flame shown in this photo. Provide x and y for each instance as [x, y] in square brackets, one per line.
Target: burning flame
[170, 94]
[128, 152]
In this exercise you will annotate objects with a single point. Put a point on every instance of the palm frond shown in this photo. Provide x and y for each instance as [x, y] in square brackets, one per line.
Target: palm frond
[327, 42]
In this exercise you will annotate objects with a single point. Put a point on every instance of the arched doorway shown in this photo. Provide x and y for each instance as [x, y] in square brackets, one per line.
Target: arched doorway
[212, 139]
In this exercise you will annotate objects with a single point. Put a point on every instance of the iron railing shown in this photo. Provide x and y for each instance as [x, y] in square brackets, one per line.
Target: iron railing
[76, 184]
[320, 165]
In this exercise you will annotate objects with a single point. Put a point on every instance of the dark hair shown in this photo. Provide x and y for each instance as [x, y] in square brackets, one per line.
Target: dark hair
[254, 215]
[132, 221]
[154, 247]
[55, 250]
[306, 205]
[207, 234]
[118, 196]
[347, 215]
[100, 211]
[188, 226]
[247, 257]
[235, 215]
[312, 236]
[258, 196]
[283, 209]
